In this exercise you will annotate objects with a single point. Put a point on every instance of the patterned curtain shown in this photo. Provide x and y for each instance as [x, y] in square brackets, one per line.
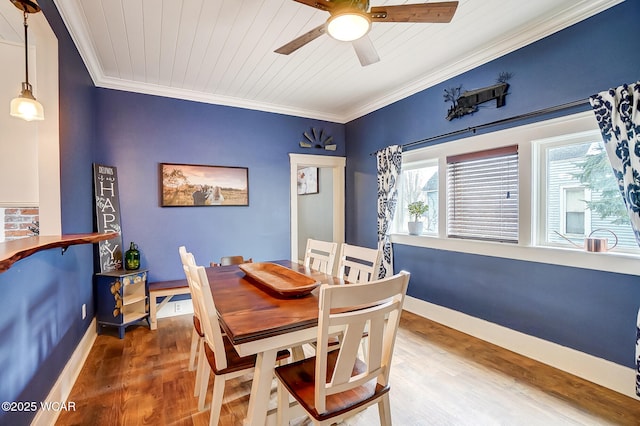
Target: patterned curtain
[389, 163]
[618, 114]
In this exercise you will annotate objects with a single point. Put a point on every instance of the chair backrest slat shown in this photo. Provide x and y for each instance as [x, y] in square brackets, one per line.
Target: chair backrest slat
[376, 305]
[320, 255]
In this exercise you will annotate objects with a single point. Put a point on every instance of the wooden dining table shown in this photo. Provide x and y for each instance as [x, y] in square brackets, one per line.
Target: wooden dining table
[260, 321]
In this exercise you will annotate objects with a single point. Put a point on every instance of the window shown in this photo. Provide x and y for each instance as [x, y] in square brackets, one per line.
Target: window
[552, 184]
[418, 182]
[483, 195]
[580, 193]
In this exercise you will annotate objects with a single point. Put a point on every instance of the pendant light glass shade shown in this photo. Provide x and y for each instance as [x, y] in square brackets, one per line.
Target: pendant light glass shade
[348, 26]
[26, 106]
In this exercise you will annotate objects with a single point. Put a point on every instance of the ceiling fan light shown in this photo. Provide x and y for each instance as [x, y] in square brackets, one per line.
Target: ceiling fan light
[26, 106]
[348, 26]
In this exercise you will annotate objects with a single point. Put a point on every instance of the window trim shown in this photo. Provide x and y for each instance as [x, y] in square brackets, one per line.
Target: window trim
[527, 137]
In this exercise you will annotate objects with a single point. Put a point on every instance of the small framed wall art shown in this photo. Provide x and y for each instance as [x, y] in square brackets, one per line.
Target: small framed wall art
[308, 180]
[184, 185]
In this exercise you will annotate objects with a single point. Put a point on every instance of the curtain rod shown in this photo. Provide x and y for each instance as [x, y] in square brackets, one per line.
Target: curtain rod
[497, 122]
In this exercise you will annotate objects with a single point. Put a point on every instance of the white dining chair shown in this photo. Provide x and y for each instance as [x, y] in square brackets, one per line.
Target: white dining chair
[197, 336]
[320, 255]
[220, 357]
[358, 264]
[334, 385]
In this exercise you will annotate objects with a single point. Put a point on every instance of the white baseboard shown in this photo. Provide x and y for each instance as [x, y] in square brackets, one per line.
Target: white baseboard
[175, 308]
[60, 391]
[597, 370]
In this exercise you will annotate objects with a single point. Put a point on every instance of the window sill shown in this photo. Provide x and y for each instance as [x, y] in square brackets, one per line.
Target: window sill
[12, 251]
[624, 263]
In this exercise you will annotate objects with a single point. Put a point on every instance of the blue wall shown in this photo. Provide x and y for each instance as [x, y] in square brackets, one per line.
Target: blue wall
[40, 319]
[590, 311]
[138, 132]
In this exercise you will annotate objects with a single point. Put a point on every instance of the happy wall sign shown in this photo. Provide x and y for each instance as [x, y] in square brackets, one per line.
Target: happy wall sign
[107, 209]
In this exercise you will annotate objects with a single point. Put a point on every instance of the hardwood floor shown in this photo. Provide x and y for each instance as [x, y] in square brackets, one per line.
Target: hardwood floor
[439, 377]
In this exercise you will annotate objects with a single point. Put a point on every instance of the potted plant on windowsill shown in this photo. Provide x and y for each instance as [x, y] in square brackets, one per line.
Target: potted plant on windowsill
[417, 209]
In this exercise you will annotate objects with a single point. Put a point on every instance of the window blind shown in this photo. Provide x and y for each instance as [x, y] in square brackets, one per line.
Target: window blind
[483, 195]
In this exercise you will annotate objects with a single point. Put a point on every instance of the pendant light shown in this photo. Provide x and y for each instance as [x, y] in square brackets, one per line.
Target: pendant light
[26, 106]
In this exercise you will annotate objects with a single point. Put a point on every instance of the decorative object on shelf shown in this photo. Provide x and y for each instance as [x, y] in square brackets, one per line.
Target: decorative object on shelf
[594, 244]
[185, 185]
[26, 106]
[105, 188]
[132, 257]
[467, 102]
[416, 209]
[308, 180]
[350, 21]
[315, 138]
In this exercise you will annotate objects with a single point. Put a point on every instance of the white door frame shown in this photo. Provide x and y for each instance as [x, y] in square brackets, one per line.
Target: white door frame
[337, 164]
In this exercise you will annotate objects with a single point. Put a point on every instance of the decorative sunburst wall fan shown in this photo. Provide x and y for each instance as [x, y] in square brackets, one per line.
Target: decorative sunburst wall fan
[315, 138]
[350, 20]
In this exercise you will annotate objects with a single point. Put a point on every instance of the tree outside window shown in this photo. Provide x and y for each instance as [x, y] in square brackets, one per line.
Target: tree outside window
[582, 195]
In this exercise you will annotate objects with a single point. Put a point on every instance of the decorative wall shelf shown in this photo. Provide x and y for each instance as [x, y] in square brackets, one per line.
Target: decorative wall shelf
[12, 251]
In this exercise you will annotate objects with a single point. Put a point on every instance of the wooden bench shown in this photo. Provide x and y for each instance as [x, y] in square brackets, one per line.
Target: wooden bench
[166, 289]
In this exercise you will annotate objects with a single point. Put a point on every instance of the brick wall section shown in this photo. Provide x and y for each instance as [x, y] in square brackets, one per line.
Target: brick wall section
[18, 220]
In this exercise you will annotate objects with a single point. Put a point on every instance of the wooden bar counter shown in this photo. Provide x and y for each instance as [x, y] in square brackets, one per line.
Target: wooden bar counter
[15, 250]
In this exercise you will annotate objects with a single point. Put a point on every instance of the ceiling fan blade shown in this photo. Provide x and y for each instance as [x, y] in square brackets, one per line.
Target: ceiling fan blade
[318, 4]
[365, 50]
[441, 12]
[305, 38]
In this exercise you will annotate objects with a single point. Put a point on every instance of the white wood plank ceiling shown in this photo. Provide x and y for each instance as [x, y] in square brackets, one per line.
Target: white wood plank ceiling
[221, 51]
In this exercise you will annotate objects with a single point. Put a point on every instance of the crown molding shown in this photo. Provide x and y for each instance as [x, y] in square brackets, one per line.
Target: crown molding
[537, 30]
[523, 37]
[209, 98]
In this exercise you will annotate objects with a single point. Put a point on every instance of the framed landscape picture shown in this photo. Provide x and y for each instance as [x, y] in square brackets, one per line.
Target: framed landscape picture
[308, 180]
[200, 185]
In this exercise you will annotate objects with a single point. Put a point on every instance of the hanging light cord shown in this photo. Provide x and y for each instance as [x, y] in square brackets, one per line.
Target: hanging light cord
[26, 49]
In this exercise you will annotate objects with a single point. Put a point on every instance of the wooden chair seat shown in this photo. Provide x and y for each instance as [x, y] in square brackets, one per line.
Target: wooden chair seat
[298, 379]
[234, 361]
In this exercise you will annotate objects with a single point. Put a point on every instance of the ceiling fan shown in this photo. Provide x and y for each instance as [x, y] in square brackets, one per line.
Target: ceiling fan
[351, 20]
